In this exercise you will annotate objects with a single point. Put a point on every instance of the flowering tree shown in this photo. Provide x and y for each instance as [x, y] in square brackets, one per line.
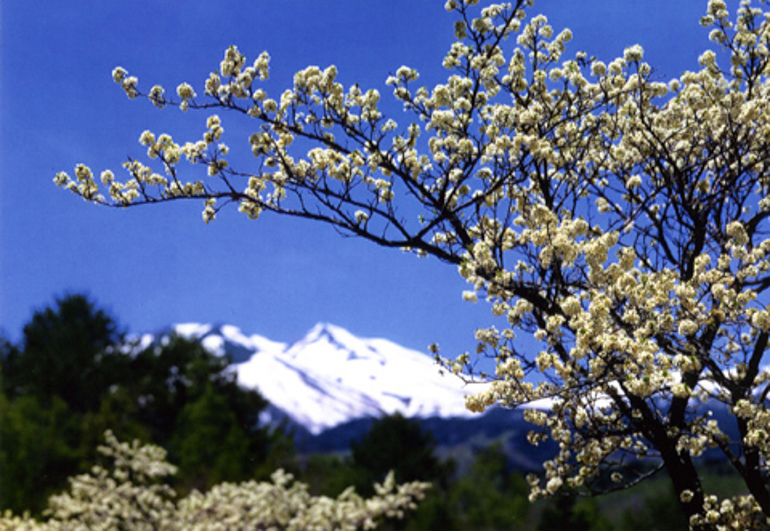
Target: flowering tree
[131, 496]
[617, 219]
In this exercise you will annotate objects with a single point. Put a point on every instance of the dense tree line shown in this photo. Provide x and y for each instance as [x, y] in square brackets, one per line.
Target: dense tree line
[75, 375]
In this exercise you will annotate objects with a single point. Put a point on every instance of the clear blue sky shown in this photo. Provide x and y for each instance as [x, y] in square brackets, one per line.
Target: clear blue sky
[152, 266]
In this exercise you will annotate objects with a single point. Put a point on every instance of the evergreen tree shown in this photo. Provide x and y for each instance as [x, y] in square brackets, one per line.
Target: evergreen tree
[210, 444]
[119, 413]
[62, 370]
[74, 377]
[167, 379]
[490, 497]
[657, 512]
[9, 360]
[327, 474]
[38, 451]
[567, 513]
[68, 351]
[398, 444]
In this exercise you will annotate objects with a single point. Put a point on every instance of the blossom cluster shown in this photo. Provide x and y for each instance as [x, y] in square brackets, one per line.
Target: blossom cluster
[132, 496]
[616, 223]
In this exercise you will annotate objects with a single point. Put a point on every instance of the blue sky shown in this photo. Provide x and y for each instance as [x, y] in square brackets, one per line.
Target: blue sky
[152, 266]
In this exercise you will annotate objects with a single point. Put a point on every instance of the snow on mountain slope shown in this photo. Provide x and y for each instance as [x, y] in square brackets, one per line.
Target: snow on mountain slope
[396, 379]
[331, 376]
[311, 400]
[226, 339]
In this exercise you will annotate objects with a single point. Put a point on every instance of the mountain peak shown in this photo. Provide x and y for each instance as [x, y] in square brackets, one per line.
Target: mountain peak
[220, 339]
[329, 332]
[331, 340]
[331, 376]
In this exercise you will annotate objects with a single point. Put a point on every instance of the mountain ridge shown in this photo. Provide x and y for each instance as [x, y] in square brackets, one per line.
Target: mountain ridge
[330, 376]
[330, 385]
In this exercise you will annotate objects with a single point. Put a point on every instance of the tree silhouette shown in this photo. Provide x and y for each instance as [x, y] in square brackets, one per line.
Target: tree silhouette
[39, 450]
[166, 380]
[67, 351]
[490, 496]
[211, 445]
[398, 444]
[75, 377]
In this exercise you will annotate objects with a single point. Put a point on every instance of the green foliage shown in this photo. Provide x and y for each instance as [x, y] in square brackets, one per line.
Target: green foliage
[435, 513]
[395, 443]
[398, 444]
[656, 512]
[73, 378]
[568, 513]
[489, 496]
[68, 351]
[130, 493]
[118, 412]
[192, 404]
[9, 357]
[39, 451]
[164, 379]
[200, 422]
[52, 386]
[182, 397]
[328, 474]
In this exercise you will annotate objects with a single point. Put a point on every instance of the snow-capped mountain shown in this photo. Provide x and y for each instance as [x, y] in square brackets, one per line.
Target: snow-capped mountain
[331, 377]
[331, 384]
